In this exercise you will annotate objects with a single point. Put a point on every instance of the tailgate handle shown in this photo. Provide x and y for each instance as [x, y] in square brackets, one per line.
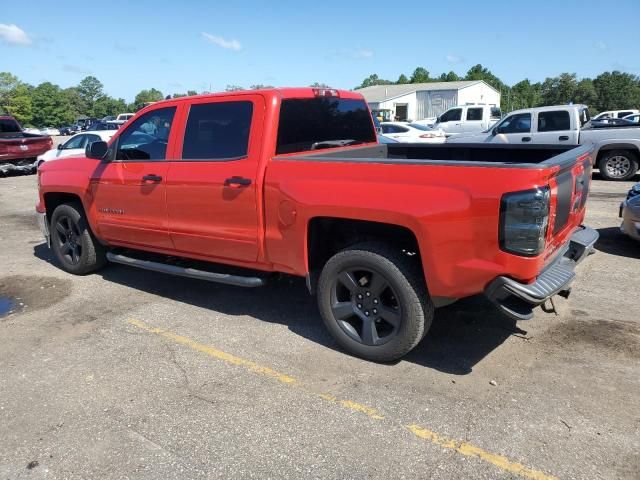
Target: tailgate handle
[152, 178]
[526, 139]
[563, 137]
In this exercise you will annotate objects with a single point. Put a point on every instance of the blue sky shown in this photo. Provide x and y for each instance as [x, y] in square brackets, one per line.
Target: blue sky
[179, 45]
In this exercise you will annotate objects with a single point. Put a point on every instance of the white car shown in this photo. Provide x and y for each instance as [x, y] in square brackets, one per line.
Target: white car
[32, 130]
[615, 114]
[74, 146]
[53, 132]
[635, 117]
[412, 133]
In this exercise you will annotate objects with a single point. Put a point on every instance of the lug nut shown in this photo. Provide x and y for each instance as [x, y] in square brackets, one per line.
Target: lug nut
[359, 296]
[367, 313]
[375, 300]
[375, 310]
[368, 294]
[359, 305]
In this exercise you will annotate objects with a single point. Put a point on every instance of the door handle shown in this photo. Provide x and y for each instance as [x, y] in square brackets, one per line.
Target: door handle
[239, 181]
[152, 178]
[526, 139]
[563, 137]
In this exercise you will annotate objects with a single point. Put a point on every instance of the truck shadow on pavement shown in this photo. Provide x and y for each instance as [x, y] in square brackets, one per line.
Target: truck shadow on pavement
[461, 335]
[614, 242]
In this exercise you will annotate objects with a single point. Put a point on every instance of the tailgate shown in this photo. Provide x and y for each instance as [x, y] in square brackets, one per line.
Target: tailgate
[25, 146]
[569, 185]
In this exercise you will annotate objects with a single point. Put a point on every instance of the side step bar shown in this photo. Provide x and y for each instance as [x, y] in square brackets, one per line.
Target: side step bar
[236, 280]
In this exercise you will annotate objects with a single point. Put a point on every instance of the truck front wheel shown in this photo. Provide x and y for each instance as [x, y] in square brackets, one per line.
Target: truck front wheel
[618, 165]
[374, 302]
[72, 242]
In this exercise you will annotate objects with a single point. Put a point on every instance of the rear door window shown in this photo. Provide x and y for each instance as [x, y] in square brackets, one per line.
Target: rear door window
[323, 122]
[624, 114]
[474, 114]
[218, 131]
[554, 121]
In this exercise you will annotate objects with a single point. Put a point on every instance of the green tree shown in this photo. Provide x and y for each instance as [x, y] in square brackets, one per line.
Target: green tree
[319, 85]
[20, 105]
[90, 89]
[372, 80]
[51, 106]
[524, 94]
[402, 79]
[586, 93]
[617, 90]
[146, 96]
[559, 90]
[420, 75]
[259, 86]
[449, 77]
[233, 88]
[106, 105]
[478, 72]
[8, 82]
[191, 93]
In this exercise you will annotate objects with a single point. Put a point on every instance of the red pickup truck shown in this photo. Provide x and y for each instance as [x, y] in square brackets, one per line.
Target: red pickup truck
[18, 150]
[234, 187]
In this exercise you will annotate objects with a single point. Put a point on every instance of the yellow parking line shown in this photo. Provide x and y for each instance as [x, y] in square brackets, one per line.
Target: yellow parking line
[463, 448]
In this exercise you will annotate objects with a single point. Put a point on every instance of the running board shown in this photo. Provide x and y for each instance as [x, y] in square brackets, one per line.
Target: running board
[236, 280]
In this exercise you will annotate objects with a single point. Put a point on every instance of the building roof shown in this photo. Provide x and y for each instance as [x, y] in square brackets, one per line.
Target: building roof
[380, 93]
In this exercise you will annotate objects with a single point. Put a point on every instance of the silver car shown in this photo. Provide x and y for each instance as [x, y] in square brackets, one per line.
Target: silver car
[630, 213]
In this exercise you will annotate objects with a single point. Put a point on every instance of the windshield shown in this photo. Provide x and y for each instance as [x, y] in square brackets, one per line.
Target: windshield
[309, 123]
[419, 126]
[9, 126]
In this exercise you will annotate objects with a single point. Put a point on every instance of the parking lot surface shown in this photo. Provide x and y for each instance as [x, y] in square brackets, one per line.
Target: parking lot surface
[132, 374]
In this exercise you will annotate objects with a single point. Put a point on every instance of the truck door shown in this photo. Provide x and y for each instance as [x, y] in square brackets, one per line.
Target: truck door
[515, 128]
[473, 120]
[212, 189]
[554, 127]
[129, 191]
[451, 121]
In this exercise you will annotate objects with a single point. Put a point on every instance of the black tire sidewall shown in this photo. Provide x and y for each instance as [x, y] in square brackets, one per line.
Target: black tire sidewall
[413, 323]
[613, 153]
[87, 260]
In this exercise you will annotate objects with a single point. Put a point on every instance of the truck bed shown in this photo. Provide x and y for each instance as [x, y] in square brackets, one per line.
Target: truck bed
[472, 154]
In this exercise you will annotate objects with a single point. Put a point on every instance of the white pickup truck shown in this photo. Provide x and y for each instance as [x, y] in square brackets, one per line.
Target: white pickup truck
[618, 147]
[466, 119]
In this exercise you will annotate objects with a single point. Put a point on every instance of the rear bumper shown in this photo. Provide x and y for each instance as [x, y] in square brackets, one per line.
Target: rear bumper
[517, 300]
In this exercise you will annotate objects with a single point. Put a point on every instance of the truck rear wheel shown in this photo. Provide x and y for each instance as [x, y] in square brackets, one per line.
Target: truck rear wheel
[618, 165]
[374, 302]
[72, 242]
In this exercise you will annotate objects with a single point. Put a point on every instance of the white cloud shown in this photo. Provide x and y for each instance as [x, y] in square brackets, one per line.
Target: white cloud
[363, 53]
[232, 44]
[14, 35]
[600, 45]
[451, 58]
[75, 69]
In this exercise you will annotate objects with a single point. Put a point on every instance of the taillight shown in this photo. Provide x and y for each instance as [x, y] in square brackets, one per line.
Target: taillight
[524, 218]
[326, 92]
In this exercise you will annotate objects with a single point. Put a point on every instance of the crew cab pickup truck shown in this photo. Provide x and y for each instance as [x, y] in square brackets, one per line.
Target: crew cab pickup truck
[237, 187]
[466, 119]
[617, 153]
[19, 149]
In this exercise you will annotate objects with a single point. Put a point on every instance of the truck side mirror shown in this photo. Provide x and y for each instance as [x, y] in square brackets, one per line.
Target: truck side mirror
[96, 150]
[60, 146]
[495, 131]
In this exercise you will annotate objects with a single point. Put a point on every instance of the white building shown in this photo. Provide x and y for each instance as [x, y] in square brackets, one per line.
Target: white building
[417, 101]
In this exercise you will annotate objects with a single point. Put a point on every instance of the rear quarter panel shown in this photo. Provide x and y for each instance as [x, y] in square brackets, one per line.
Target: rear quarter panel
[453, 212]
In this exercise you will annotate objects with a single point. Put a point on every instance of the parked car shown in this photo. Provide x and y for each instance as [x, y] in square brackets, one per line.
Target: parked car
[103, 126]
[612, 122]
[615, 114]
[51, 131]
[18, 148]
[108, 118]
[630, 213]
[68, 130]
[411, 133]
[466, 119]
[74, 146]
[35, 131]
[618, 147]
[123, 118]
[382, 233]
[634, 117]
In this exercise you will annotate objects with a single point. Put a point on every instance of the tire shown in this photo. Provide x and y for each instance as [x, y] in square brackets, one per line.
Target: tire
[618, 165]
[72, 242]
[398, 315]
